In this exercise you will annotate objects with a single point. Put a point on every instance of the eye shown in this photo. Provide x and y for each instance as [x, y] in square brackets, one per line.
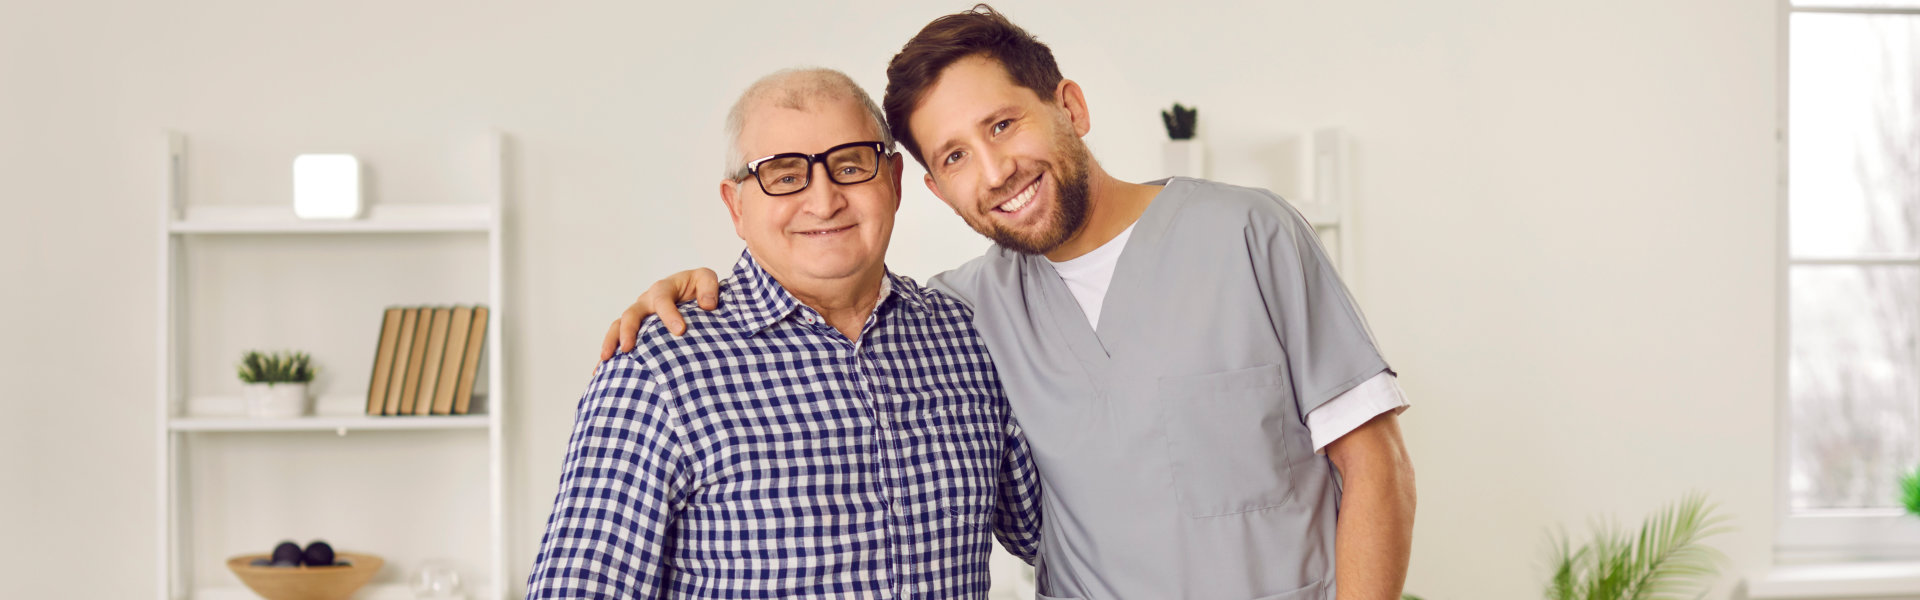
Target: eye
[789, 179]
[850, 170]
[1002, 125]
[955, 156]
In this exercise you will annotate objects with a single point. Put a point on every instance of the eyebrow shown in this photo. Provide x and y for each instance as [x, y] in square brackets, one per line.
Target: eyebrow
[991, 118]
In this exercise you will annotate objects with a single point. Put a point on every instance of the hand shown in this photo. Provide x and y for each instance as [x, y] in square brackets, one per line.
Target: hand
[662, 299]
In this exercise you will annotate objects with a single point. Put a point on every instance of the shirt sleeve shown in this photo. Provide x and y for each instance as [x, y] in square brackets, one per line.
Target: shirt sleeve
[955, 283]
[1328, 347]
[1016, 514]
[623, 481]
[1348, 411]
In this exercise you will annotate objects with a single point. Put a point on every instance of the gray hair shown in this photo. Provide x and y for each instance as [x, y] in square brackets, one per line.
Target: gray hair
[796, 89]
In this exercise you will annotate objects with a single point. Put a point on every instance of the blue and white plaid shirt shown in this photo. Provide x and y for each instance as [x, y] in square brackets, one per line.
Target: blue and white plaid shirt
[764, 455]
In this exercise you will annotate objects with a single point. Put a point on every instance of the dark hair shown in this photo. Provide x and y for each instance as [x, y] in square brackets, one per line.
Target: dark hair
[978, 31]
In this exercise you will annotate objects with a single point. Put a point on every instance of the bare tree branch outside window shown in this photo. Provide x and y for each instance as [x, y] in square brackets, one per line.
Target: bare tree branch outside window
[1854, 363]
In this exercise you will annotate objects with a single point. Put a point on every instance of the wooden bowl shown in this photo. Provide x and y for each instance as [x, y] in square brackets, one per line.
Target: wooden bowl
[306, 583]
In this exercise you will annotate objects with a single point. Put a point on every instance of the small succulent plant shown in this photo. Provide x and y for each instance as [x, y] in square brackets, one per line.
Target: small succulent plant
[276, 367]
[1180, 121]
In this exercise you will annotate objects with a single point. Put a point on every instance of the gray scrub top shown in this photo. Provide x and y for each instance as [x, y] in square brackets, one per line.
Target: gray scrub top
[1171, 440]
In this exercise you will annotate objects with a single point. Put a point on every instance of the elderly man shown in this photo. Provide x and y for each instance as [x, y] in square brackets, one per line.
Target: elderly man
[1210, 415]
[837, 431]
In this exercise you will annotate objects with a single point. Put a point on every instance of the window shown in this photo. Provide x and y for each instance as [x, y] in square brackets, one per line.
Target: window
[1850, 419]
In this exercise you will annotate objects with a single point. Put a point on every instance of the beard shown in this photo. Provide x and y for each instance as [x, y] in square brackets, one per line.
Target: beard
[1066, 217]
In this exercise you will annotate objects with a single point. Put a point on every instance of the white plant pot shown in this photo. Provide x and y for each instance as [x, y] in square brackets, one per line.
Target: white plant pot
[277, 400]
[1185, 158]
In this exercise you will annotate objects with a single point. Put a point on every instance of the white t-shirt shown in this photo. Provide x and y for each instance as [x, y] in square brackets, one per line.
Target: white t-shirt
[1088, 275]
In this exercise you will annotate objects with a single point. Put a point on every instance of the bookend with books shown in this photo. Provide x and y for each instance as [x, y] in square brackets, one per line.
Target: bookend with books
[427, 361]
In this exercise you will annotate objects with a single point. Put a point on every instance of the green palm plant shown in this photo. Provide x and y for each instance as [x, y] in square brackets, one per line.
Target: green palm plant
[1664, 560]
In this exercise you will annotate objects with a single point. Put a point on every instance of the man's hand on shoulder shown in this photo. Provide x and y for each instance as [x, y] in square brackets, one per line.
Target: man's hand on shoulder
[663, 299]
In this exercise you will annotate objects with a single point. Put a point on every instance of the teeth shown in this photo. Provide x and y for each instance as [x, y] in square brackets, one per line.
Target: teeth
[1020, 200]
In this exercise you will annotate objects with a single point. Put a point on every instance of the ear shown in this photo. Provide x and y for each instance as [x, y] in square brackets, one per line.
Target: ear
[898, 162]
[1068, 97]
[730, 194]
[935, 188]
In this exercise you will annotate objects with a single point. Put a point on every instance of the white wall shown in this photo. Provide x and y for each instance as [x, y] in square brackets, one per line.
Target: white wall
[1568, 218]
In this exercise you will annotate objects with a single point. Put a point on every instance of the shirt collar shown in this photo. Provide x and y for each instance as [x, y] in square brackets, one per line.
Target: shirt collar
[762, 301]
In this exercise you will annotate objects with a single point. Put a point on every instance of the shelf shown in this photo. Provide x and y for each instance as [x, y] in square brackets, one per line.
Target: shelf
[390, 218]
[335, 424]
[198, 427]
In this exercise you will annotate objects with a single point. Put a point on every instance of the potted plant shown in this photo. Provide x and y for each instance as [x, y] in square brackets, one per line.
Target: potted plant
[1184, 156]
[276, 383]
[1664, 559]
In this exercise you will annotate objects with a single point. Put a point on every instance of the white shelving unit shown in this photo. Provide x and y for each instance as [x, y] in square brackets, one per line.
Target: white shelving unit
[182, 432]
[1312, 177]
[1323, 197]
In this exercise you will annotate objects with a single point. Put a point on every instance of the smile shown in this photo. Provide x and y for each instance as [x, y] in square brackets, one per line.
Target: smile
[824, 232]
[1020, 200]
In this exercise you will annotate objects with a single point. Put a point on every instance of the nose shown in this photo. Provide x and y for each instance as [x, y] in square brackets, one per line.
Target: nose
[997, 168]
[823, 197]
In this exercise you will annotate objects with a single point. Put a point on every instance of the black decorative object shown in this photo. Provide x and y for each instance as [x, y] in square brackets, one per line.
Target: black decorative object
[319, 554]
[1180, 121]
[288, 552]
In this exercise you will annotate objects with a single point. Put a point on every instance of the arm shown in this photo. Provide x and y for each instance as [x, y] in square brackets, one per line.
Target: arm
[620, 490]
[1327, 345]
[1016, 511]
[1374, 538]
[662, 298]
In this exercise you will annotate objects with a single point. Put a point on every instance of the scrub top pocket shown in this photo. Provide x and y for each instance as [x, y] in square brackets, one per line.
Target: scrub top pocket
[970, 442]
[1226, 434]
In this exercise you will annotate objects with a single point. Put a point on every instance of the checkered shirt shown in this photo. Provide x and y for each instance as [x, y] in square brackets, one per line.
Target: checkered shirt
[763, 455]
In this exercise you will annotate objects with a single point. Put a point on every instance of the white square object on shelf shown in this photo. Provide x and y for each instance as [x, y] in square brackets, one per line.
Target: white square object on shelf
[326, 186]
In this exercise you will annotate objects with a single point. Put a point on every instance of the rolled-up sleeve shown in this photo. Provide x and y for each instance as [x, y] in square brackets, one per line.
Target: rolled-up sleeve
[623, 483]
[1328, 347]
[1016, 515]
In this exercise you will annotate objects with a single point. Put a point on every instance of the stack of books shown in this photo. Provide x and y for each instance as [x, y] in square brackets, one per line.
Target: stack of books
[427, 360]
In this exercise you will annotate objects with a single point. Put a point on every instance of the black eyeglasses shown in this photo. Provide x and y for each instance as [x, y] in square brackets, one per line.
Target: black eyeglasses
[790, 172]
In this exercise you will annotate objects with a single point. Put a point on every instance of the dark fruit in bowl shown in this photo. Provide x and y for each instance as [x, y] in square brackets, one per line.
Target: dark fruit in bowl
[288, 552]
[319, 554]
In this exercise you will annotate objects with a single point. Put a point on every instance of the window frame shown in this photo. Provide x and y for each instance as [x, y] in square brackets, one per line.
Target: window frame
[1835, 535]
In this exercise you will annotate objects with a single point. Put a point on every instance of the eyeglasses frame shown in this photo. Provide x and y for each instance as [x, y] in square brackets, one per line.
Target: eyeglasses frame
[753, 166]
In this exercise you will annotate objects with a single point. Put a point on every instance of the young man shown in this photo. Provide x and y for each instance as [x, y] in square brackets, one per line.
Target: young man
[836, 432]
[1179, 353]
